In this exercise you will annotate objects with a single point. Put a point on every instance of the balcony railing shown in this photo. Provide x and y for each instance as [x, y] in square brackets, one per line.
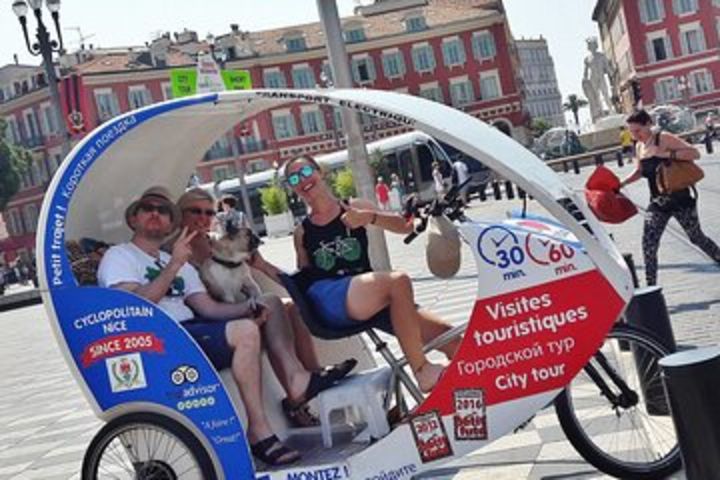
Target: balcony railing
[33, 142]
[252, 146]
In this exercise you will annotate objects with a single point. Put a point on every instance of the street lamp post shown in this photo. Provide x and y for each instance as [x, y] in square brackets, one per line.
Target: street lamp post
[45, 47]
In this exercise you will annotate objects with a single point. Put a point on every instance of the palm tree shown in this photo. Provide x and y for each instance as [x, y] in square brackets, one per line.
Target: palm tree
[574, 104]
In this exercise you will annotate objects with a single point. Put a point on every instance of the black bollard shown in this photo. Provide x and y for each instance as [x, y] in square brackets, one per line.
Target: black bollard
[576, 167]
[481, 191]
[647, 310]
[619, 156]
[496, 191]
[692, 388]
[521, 193]
[708, 144]
[509, 192]
[599, 159]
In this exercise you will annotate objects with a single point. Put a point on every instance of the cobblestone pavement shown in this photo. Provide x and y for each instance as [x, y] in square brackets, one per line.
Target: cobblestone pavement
[45, 423]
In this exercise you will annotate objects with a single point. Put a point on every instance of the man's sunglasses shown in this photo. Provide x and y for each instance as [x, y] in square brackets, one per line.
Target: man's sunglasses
[295, 178]
[199, 211]
[160, 209]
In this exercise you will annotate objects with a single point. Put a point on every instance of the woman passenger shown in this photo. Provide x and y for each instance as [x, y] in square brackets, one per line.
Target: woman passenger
[331, 244]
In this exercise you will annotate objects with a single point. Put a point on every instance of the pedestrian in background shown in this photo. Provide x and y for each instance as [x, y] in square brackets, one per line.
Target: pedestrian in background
[462, 173]
[438, 182]
[626, 142]
[382, 193]
[651, 151]
[396, 193]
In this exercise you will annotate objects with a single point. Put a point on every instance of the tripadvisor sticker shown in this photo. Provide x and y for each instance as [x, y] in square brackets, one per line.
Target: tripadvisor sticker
[430, 438]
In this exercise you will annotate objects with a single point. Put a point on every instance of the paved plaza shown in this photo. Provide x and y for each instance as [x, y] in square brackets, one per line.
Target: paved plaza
[45, 423]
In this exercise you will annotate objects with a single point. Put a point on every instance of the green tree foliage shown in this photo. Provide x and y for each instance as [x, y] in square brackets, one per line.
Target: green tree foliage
[539, 126]
[274, 199]
[574, 104]
[343, 184]
[14, 161]
[379, 165]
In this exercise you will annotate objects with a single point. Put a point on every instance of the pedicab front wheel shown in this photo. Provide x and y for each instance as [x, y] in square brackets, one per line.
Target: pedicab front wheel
[144, 446]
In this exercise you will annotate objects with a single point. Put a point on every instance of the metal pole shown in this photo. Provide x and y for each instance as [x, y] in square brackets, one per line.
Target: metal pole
[358, 156]
[241, 176]
[43, 38]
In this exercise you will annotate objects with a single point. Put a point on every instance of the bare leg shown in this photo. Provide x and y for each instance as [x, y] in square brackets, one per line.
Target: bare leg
[244, 337]
[304, 345]
[371, 292]
[278, 336]
[433, 326]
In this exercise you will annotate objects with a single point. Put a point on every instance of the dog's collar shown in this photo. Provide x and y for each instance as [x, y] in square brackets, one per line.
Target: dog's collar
[227, 263]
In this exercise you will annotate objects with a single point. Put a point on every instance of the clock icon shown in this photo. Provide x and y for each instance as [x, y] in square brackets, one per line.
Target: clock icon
[499, 246]
[545, 251]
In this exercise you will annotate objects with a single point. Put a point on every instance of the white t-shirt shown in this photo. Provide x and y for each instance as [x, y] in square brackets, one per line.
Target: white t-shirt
[128, 263]
[462, 171]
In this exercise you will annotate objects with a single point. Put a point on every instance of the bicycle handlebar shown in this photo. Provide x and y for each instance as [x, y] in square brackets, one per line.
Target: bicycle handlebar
[448, 206]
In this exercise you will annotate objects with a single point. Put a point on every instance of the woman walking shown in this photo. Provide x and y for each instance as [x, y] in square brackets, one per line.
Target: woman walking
[651, 151]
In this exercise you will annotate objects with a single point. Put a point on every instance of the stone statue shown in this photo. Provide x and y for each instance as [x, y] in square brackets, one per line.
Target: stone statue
[594, 84]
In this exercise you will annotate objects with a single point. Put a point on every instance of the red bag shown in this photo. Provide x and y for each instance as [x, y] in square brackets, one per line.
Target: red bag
[604, 200]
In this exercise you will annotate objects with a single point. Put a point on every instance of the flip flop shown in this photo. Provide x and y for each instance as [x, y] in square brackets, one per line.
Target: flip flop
[271, 451]
[340, 370]
[299, 416]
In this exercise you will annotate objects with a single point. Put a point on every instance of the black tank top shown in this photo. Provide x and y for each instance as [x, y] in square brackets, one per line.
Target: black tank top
[334, 249]
[679, 199]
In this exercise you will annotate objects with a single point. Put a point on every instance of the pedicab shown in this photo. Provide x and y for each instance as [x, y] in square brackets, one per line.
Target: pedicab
[550, 291]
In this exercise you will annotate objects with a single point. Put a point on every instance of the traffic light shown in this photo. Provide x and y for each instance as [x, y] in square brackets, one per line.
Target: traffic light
[636, 93]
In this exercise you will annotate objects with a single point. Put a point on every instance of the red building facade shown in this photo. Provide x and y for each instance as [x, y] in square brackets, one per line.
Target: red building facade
[670, 47]
[461, 55]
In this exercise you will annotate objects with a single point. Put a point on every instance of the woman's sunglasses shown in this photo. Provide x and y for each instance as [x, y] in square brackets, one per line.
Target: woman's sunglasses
[295, 178]
[199, 211]
[160, 209]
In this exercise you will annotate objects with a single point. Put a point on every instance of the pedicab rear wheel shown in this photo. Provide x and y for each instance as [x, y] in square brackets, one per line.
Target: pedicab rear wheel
[144, 446]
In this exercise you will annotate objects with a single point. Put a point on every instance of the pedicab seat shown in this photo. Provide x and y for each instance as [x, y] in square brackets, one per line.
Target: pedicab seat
[380, 321]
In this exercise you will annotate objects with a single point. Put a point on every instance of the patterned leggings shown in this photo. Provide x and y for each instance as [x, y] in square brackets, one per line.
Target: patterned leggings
[655, 223]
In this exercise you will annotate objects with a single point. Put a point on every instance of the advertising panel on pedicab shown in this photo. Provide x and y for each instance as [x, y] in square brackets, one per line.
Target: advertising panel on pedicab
[542, 310]
[126, 349]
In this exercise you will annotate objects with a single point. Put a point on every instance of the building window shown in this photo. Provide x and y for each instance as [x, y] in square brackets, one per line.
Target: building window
[30, 213]
[355, 35]
[692, 40]
[431, 91]
[423, 58]
[15, 223]
[682, 7]
[312, 121]
[33, 129]
[489, 86]
[666, 90]
[701, 82]
[107, 104]
[461, 92]
[139, 97]
[415, 24]
[223, 172]
[303, 77]
[167, 91]
[363, 69]
[295, 44]
[274, 79]
[483, 45]
[12, 134]
[453, 52]
[393, 64]
[659, 49]
[50, 126]
[283, 124]
[651, 11]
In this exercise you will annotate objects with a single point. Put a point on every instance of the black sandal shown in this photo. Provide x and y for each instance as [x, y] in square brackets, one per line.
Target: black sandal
[340, 370]
[299, 416]
[271, 450]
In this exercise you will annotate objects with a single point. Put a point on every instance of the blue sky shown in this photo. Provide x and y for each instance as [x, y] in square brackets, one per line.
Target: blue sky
[564, 23]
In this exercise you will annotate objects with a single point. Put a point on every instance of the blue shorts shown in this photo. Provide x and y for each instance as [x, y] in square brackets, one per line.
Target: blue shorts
[329, 298]
[210, 335]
